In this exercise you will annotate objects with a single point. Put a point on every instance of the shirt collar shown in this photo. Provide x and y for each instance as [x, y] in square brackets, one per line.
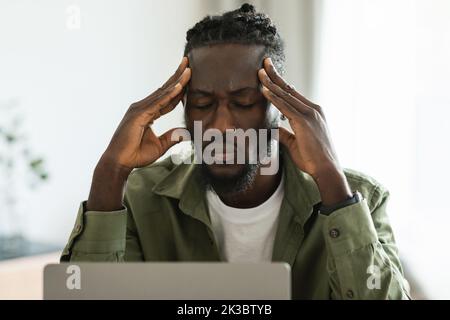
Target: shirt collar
[184, 182]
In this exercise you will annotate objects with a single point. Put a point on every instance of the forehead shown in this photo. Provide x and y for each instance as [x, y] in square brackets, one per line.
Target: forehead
[225, 67]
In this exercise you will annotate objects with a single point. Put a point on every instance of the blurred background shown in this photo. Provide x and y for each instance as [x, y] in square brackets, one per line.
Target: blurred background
[69, 70]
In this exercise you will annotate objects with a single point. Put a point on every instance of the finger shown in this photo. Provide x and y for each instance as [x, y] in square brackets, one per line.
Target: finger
[165, 98]
[294, 102]
[182, 66]
[161, 99]
[169, 83]
[151, 109]
[285, 108]
[172, 104]
[277, 79]
[172, 137]
[164, 110]
[183, 79]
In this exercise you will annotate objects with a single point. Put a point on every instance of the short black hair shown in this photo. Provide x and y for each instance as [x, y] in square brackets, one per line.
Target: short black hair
[244, 26]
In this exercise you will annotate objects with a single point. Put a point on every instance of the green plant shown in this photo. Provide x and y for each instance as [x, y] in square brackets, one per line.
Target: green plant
[19, 166]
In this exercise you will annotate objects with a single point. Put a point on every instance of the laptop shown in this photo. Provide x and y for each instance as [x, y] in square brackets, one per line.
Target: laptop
[168, 281]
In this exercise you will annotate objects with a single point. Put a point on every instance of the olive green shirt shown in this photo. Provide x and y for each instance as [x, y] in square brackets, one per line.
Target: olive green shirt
[349, 254]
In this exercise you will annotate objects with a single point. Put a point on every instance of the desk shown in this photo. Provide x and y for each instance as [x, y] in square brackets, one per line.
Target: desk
[21, 278]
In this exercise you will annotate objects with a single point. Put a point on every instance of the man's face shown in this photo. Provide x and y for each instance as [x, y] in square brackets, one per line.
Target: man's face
[224, 93]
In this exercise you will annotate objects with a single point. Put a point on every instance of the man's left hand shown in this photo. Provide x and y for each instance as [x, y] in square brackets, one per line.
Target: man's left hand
[310, 145]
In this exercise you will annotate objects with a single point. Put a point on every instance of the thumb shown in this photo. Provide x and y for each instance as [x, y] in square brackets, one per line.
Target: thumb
[286, 137]
[172, 137]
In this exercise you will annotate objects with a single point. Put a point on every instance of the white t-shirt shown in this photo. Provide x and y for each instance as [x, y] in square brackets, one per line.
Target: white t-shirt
[245, 235]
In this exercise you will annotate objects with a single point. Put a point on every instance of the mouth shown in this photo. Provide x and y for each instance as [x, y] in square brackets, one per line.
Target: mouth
[221, 153]
[221, 157]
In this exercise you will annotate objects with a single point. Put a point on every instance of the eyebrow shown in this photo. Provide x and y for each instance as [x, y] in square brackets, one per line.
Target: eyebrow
[234, 92]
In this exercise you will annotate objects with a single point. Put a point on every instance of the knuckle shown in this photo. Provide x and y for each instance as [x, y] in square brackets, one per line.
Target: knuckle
[289, 87]
[168, 89]
[315, 114]
[309, 112]
[297, 116]
[134, 113]
[268, 79]
[285, 94]
[133, 106]
[319, 109]
[160, 91]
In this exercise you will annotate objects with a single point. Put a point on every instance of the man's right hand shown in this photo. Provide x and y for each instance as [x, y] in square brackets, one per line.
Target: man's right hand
[134, 144]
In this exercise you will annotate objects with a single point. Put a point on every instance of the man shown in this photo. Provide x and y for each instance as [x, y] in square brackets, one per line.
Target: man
[329, 224]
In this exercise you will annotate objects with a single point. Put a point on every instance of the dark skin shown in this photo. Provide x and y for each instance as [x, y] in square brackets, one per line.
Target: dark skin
[228, 98]
[235, 66]
[309, 145]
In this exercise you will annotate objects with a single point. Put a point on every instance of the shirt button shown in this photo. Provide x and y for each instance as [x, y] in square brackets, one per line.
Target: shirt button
[334, 233]
[350, 294]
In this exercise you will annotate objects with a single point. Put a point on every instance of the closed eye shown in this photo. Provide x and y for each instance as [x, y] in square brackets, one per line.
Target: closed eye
[201, 106]
[208, 105]
[239, 105]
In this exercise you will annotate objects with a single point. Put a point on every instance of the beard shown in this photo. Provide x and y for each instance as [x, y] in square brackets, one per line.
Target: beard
[241, 179]
[231, 184]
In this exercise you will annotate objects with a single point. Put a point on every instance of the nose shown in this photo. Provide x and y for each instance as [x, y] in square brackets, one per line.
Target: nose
[222, 118]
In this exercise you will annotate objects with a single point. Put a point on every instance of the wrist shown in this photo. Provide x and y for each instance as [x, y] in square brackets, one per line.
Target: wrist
[115, 173]
[107, 188]
[333, 186]
[327, 210]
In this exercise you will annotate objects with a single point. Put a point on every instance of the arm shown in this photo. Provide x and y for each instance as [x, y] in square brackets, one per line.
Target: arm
[103, 236]
[363, 259]
[358, 240]
[104, 229]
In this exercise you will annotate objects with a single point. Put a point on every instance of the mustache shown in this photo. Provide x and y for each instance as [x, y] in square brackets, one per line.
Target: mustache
[233, 147]
[226, 146]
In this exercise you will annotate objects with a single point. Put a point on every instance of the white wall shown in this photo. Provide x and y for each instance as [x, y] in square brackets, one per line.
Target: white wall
[431, 181]
[74, 86]
[382, 79]
[380, 70]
